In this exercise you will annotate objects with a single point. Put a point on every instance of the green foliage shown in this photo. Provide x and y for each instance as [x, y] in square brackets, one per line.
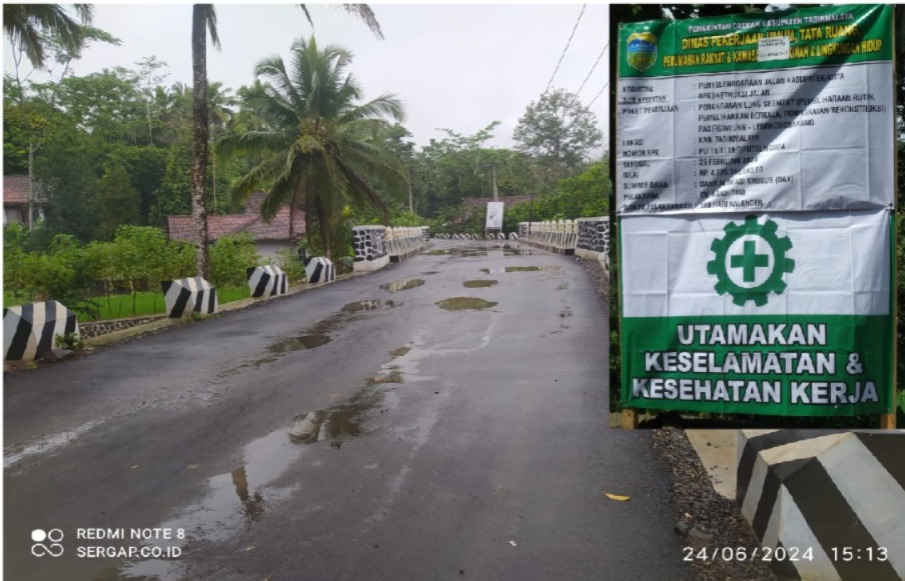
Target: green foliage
[71, 341]
[291, 265]
[558, 129]
[230, 257]
[310, 108]
[118, 203]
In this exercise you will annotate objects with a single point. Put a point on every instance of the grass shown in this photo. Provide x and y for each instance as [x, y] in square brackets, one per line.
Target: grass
[146, 303]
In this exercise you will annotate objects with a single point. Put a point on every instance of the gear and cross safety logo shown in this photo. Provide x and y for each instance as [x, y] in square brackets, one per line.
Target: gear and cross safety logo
[750, 261]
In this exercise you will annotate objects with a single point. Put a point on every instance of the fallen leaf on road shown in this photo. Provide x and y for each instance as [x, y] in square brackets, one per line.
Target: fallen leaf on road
[617, 497]
[134, 466]
[191, 466]
[513, 543]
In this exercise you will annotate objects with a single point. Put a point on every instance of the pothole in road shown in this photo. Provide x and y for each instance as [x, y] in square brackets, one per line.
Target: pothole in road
[371, 305]
[401, 285]
[479, 283]
[465, 304]
[400, 352]
[522, 268]
[431, 272]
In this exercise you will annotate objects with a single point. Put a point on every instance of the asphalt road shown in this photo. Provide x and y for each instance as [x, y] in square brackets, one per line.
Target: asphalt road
[356, 431]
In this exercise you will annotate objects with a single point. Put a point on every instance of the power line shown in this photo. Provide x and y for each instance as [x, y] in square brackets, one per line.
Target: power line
[568, 42]
[598, 94]
[594, 66]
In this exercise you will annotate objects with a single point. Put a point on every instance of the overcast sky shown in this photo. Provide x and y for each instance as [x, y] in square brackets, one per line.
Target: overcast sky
[454, 66]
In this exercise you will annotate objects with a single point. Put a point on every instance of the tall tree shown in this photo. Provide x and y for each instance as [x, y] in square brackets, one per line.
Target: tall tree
[323, 150]
[204, 19]
[558, 129]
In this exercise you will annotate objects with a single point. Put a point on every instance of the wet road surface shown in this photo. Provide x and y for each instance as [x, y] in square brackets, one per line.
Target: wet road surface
[443, 418]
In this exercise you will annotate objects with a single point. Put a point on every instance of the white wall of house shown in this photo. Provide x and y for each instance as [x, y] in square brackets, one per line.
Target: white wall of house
[269, 248]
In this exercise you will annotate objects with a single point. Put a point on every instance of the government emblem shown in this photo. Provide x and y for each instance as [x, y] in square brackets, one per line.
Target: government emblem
[641, 50]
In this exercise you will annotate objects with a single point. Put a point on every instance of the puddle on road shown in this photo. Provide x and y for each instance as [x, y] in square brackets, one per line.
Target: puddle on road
[237, 499]
[431, 272]
[336, 424]
[522, 268]
[401, 285]
[461, 252]
[400, 352]
[372, 305]
[479, 283]
[315, 337]
[564, 286]
[465, 304]
[513, 251]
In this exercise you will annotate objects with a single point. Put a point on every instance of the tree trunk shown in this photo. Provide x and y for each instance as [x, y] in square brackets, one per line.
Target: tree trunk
[200, 130]
[324, 225]
[31, 184]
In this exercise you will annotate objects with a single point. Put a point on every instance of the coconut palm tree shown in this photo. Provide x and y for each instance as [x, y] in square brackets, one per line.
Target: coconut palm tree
[27, 25]
[204, 19]
[322, 150]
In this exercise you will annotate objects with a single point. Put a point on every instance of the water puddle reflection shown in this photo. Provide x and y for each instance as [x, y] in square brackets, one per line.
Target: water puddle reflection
[372, 305]
[401, 285]
[479, 283]
[465, 304]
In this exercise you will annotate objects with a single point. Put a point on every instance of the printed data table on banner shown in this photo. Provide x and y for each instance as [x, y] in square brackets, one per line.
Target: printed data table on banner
[755, 191]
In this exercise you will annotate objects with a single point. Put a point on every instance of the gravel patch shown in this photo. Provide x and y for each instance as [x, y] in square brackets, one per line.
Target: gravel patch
[704, 519]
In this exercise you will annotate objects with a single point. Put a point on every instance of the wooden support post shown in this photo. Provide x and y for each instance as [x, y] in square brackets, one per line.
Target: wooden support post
[887, 421]
[629, 419]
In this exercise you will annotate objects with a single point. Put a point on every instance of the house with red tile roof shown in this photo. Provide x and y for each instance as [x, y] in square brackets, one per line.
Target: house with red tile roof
[269, 236]
[15, 200]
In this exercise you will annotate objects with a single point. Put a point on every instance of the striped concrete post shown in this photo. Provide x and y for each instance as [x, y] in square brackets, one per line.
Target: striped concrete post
[267, 281]
[30, 331]
[840, 496]
[319, 269]
[185, 296]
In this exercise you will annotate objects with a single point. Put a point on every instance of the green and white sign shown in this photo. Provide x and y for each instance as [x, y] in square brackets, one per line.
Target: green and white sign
[755, 190]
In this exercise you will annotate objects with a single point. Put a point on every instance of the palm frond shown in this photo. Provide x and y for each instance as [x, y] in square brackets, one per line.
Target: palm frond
[364, 12]
[255, 179]
[232, 144]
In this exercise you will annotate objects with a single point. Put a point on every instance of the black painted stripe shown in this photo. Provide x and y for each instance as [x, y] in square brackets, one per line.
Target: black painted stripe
[784, 569]
[835, 524]
[46, 333]
[20, 339]
[71, 326]
[316, 275]
[744, 472]
[889, 449]
[783, 437]
[181, 301]
[262, 285]
[212, 301]
[776, 475]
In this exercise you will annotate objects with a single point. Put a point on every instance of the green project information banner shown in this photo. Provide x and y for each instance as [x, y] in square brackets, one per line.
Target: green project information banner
[755, 193]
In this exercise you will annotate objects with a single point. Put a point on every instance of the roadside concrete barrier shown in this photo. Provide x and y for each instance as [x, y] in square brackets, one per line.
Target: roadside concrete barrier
[267, 281]
[370, 248]
[836, 499]
[319, 269]
[593, 239]
[185, 296]
[29, 331]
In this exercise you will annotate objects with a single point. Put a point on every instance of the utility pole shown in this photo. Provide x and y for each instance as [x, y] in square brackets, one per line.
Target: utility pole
[496, 194]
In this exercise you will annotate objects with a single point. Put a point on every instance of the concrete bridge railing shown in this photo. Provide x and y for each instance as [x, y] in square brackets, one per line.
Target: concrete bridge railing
[375, 245]
[587, 237]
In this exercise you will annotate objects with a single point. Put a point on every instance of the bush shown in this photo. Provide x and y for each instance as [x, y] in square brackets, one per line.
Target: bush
[230, 257]
[291, 265]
